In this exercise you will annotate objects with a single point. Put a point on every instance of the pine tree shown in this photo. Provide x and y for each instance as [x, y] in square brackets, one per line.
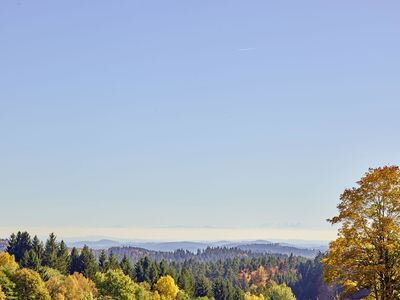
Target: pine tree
[37, 247]
[50, 252]
[126, 267]
[19, 244]
[186, 281]
[11, 244]
[202, 287]
[103, 261]
[163, 268]
[112, 262]
[142, 268]
[63, 258]
[76, 264]
[30, 260]
[89, 263]
[153, 273]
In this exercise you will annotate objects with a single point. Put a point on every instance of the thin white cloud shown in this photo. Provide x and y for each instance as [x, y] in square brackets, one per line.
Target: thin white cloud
[247, 49]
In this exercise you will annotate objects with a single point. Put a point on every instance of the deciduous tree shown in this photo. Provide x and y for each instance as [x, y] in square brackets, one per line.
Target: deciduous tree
[366, 254]
[29, 285]
[166, 287]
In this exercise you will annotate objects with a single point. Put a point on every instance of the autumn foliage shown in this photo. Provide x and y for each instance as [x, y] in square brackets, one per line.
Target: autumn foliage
[366, 255]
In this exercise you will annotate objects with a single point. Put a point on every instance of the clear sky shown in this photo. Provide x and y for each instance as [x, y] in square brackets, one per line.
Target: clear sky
[236, 115]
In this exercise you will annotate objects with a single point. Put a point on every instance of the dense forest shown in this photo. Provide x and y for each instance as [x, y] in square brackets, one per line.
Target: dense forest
[30, 269]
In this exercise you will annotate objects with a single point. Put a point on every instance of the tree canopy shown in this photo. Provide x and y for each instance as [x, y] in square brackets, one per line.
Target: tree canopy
[366, 254]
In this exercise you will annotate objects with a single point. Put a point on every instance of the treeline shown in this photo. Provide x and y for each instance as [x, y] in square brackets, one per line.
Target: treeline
[209, 254]
[56, 269]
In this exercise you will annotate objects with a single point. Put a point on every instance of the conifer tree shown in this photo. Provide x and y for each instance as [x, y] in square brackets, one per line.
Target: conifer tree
[19, 244]
[38, 248]
[30, 260]
[142, 268]
[75, 265]
[163, 269]
[126, 267]
[186, 281]
[50, 252]
[153, 273]
[103, 261]
[63, 258]
[112, 262]
[88, 263]
[202, 287]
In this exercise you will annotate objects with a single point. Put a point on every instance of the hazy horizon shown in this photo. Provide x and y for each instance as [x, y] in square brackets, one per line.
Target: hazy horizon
[164, 118]
[176, 234]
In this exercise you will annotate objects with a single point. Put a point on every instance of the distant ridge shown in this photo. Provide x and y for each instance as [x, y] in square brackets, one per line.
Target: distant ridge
[257, 246]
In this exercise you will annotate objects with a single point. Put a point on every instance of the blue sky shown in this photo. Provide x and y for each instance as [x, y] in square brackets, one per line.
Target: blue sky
[193, 114]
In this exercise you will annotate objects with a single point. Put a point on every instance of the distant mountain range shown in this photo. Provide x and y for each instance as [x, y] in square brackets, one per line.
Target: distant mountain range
[258, 246]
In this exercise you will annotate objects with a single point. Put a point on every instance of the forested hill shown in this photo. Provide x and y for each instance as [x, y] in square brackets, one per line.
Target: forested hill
[219, 273]
[151, 247]
[210, 254]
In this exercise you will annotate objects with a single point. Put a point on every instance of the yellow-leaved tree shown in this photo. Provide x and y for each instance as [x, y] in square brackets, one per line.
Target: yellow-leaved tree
[166, 288]
[366, 255]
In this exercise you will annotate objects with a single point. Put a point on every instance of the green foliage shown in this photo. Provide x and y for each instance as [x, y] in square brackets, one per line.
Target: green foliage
[223, 290]
[186, 282]
[88, 263]
[38, 248]
[29, 285]
[144, 270]
[30, 260]
[182, 295]
[19, 244]
[126, 267]
[116, 285]
[50, 252]
[112, 262]
[47, 273]
[213, 274]
[7, 285]
[103, 261]
[75, 262]
[63, 259]
[202, 287]
[280, 292]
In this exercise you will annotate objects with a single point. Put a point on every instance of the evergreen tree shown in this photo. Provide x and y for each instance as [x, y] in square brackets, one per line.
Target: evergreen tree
[76, 264]
[11, 244]
[63, 259]
[163, 268]
[30, 260]
[50, 252]
[153, 273]
[112, 262]
[126, 267]
[223, 290]
[142, 269]
[186, 281]
[38, 248]
[202, 287]
[103, 261]
[88, 263]
[19, 244]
